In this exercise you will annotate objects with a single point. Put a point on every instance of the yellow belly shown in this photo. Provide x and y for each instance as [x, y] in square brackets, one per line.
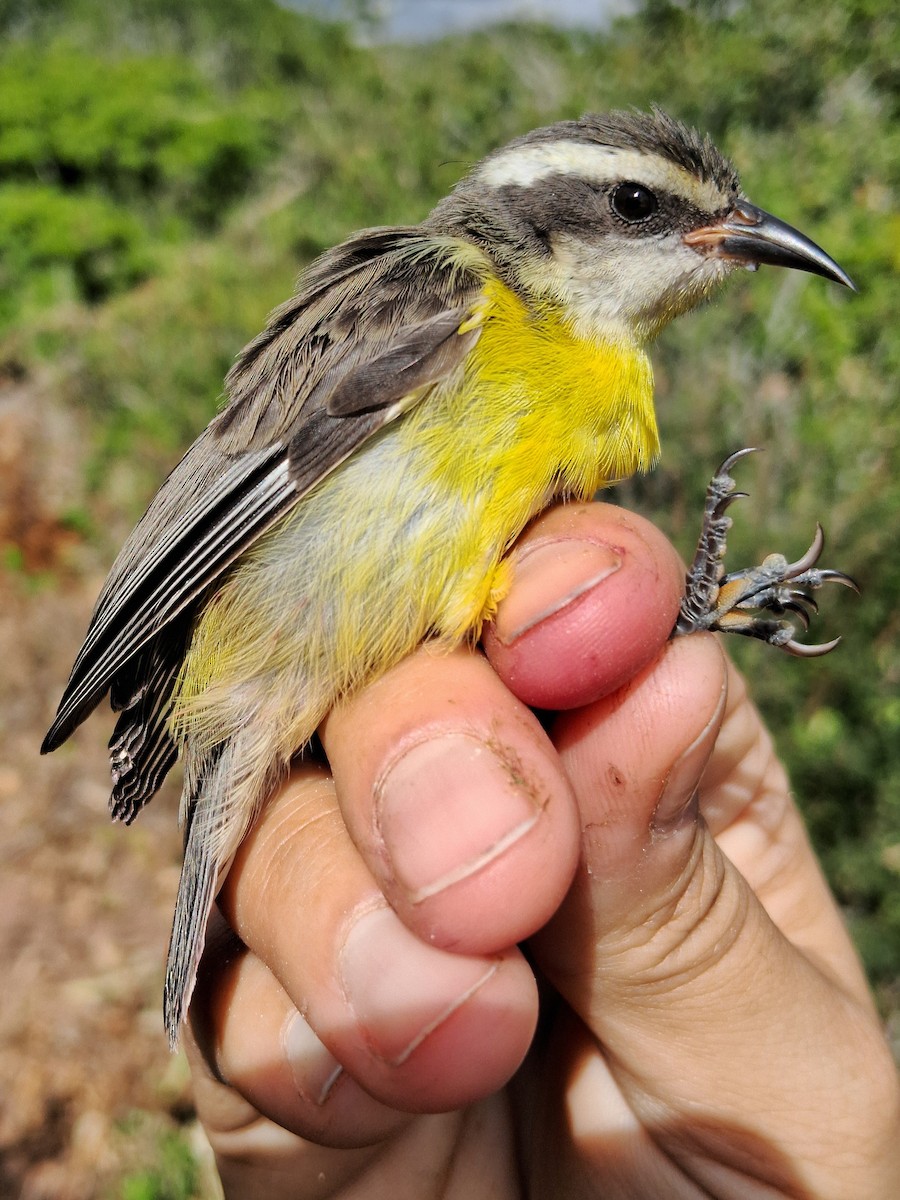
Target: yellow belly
[406, 539]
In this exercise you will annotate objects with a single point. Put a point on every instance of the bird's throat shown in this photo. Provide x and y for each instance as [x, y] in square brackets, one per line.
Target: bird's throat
[544, 402]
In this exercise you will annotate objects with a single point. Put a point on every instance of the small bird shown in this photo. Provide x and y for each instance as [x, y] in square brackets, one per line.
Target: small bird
[386, 438]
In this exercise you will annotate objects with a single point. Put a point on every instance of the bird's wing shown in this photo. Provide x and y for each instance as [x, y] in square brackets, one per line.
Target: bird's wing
[378, 322]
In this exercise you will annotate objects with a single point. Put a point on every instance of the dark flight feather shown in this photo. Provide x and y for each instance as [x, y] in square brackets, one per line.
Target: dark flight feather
[324, 376]
[142, 750]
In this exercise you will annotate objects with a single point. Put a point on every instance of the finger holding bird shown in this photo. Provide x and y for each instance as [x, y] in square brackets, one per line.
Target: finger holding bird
[427, 391]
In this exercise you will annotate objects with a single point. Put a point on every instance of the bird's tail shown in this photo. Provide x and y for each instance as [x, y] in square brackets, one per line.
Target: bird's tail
[223, 794]
[196, 892]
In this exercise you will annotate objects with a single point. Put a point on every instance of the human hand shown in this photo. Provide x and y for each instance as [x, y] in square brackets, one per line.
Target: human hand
[705, 1029]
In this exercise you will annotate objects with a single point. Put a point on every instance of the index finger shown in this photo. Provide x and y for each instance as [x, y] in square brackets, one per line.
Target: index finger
[560, 640]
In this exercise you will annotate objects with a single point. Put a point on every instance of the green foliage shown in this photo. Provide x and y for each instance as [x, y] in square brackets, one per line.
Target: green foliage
[101, 158]
[214, 173]
[139, 129]
[55, 246]
[174, 1174]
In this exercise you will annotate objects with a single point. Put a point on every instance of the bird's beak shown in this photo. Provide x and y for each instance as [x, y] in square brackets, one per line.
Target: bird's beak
[752, 236]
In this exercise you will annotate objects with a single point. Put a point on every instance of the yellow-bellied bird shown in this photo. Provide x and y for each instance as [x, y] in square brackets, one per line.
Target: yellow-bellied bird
[425, 393]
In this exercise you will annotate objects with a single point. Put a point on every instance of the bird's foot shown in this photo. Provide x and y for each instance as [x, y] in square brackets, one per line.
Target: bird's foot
[772, 602]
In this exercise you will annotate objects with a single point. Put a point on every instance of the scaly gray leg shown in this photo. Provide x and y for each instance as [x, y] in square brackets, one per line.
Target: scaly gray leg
[765, 602]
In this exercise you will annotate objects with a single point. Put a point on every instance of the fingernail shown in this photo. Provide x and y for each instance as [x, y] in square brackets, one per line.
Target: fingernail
[400, 989]
[549, 576]
[314, 1068]
[678, 800]
[449, 806]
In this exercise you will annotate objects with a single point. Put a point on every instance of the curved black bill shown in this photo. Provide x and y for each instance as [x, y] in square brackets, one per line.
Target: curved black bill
[751, 235]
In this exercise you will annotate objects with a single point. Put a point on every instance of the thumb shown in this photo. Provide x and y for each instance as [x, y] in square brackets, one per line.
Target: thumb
[650, 871]
[723, 1040]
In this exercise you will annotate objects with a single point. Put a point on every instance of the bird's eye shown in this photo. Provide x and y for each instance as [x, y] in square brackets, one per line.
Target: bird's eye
[633, 202]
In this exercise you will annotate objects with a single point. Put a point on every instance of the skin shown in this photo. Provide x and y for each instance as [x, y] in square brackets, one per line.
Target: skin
[705, 1031]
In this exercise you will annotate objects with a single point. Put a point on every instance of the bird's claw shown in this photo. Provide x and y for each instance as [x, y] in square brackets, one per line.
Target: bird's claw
[766, 602]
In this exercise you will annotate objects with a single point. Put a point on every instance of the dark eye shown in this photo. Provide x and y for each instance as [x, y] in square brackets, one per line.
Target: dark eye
[633, 202]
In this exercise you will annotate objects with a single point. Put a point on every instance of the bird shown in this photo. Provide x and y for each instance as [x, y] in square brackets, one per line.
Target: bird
[426, 391]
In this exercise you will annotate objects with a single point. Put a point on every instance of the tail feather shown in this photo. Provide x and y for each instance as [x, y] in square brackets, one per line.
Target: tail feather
[223, 792]
[196, 892]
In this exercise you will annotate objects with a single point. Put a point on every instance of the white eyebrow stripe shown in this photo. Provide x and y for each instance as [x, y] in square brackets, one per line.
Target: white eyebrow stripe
[523, 166]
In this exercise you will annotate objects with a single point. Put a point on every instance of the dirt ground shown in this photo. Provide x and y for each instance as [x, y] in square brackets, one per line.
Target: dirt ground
[85, 904]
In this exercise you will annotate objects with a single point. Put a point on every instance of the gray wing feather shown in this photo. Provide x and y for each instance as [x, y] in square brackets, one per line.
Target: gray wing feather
[372, 329]
[144, 592]
[420, 354]
[142, 749]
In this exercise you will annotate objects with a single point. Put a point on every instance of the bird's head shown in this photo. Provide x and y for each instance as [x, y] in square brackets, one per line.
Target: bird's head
[621, 221]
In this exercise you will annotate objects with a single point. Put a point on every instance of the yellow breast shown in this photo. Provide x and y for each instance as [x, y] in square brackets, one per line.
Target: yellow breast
[539, 413]
[406, 538]
[539, 406]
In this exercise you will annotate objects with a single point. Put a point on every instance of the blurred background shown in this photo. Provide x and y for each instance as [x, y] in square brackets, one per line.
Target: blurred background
[166, 169]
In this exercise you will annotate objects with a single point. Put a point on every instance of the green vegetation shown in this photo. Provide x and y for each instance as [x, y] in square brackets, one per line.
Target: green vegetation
[166, 168]
[163, 1164]
[173, 1177]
